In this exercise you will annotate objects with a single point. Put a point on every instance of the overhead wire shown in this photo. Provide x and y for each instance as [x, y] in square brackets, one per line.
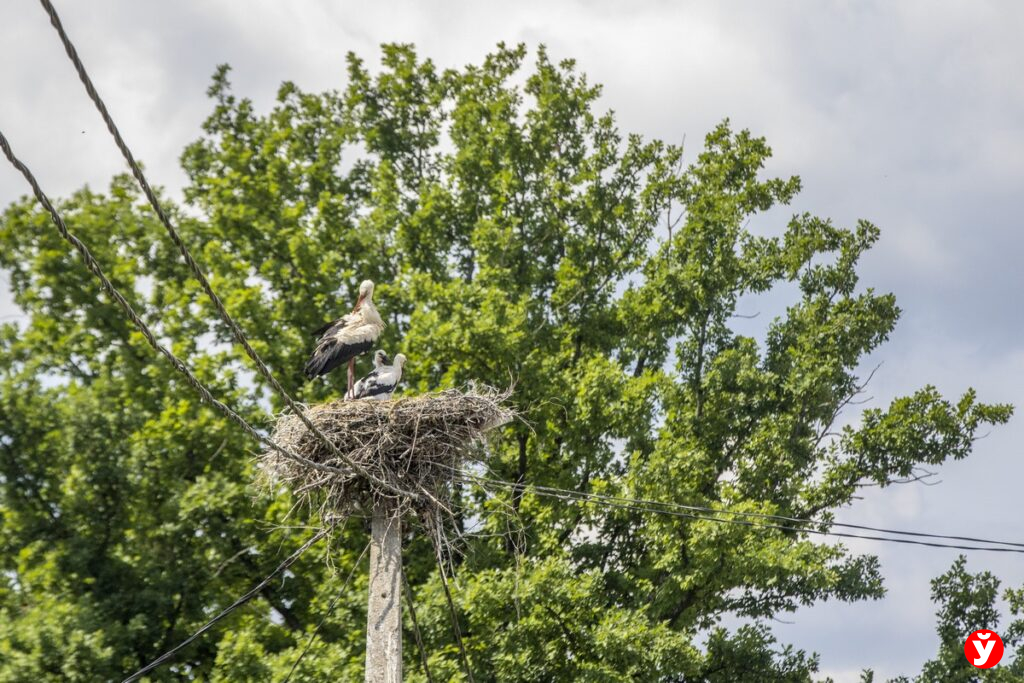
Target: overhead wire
[228, 610]
[756, 515]
[709, 514]
[193, 266]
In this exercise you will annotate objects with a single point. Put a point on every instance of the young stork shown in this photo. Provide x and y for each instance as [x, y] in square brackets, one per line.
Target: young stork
[349, 336]
[382, 380]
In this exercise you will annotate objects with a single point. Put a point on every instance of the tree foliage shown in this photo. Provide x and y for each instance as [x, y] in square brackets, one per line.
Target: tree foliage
[966, 603]
[516, 234]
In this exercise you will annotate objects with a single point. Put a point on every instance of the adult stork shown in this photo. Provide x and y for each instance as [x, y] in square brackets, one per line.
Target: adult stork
[382, 380]
[349, 336]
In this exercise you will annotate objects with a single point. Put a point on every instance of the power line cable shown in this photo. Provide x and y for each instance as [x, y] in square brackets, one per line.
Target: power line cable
[236, 331]
[573, 496]
[228, 610]
[118, 298]
[755, 515]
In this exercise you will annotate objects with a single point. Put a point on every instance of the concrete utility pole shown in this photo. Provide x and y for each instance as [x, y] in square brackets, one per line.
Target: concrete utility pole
[384, 611]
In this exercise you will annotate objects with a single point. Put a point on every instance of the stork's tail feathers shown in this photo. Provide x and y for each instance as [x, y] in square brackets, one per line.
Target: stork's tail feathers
[313, 367]
[323, 360]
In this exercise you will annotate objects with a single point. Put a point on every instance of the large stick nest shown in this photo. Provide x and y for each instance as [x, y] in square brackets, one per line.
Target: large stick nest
[417, 445]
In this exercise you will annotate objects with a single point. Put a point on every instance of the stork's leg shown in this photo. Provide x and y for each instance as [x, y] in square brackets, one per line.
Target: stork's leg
[351, 376]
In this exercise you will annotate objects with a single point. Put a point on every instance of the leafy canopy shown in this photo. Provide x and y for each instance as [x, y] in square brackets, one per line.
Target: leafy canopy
[515, 233]
[966, 603]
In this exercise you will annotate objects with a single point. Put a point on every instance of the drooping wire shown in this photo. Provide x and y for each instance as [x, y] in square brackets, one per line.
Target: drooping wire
[118, 298]
[416, 626]
[236, 331]
[228, 610]
[753, 515]
[451, 609]
[330, 610]
[708, 515]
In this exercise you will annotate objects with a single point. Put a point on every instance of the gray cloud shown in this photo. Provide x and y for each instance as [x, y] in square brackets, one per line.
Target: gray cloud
[907, 114]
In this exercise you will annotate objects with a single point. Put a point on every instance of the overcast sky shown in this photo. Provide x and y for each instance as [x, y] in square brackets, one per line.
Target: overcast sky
[908, 114]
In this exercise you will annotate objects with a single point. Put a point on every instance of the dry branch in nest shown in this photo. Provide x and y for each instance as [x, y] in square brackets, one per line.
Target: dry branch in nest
[417, 444]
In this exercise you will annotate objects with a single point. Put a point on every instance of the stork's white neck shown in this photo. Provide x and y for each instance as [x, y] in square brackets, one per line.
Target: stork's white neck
[370, 314]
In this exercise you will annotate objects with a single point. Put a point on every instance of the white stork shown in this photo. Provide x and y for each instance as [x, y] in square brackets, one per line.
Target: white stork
[382, 380]
[349, 336]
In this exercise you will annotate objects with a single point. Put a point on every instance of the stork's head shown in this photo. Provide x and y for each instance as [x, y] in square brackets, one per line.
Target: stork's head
[365, 294]
[380, 357]
[400, 360]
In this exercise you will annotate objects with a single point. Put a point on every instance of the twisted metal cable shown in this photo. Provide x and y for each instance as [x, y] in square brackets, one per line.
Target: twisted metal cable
[236, 331]
[118, 298]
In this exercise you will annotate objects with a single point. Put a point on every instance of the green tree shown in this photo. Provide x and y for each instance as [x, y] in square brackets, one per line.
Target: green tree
[515, 232]
[967, 602]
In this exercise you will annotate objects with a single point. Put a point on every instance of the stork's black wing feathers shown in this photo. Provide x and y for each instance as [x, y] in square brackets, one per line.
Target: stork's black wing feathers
[326, 327]
[332, 353]
[375, 389]
[320, 331]
[317, 363]
[373, 384]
